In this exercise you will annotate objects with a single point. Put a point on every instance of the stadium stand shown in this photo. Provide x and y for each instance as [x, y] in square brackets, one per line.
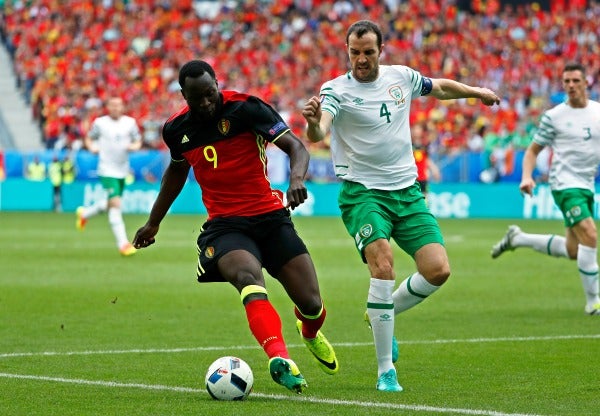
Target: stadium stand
[22, 132]
[68, 55]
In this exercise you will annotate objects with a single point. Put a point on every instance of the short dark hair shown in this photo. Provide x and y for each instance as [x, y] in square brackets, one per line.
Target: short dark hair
[574, 66]
[365, 26]
[194, 69]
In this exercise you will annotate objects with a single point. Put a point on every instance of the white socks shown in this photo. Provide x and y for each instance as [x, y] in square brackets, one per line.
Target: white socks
[380, 308]
[412, 291]
[587, 263]
[550, 244]
[383, 305]
[115, 219]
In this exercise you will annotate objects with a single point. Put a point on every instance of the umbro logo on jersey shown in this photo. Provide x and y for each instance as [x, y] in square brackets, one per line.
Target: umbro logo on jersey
[358, 101]
[185, 139]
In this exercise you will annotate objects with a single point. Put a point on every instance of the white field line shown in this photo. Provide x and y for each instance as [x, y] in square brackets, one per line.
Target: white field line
[341, 344]
[394, 406]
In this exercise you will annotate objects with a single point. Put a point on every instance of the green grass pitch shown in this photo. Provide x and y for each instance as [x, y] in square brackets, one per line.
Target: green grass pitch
[86, 332]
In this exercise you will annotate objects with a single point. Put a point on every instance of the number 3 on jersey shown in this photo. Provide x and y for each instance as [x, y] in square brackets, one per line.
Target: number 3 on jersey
[210, 154]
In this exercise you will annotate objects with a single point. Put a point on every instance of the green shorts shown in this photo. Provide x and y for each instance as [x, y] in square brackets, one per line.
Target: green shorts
[370, 214]
[114, 186]
[576, 204]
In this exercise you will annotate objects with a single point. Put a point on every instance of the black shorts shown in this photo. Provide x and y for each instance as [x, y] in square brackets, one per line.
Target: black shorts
[270, 237]
[424, 185]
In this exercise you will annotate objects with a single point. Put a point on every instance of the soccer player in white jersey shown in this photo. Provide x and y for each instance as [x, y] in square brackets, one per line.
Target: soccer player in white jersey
[572, 131]
[112, 137]
[367, 113]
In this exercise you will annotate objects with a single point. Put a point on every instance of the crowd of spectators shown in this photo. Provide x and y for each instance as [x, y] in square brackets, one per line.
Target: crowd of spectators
[69, 55]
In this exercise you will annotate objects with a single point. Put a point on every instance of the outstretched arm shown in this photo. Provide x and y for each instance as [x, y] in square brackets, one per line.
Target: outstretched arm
[171, 185]
[447, 89]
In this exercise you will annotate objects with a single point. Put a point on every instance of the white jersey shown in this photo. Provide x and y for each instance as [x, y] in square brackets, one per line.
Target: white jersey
[370, 134]
[574, 136]
[114, 137]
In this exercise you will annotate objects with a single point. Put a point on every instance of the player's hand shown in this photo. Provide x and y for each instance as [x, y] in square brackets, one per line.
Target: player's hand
[296, 193]
[489, 97]
[145, 236]
[312, 110]
[526, 186]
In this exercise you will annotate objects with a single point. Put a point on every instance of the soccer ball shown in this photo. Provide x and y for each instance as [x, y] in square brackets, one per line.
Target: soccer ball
[229, 378]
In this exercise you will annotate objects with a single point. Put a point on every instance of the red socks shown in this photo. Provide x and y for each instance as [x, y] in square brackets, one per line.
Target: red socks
[265, 325]
[311, 324]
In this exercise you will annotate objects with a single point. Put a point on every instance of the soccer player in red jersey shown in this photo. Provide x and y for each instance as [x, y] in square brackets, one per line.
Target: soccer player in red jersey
[425, 166]
[222, 135]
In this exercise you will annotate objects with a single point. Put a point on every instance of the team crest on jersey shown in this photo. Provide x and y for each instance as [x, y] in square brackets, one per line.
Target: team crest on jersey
[366, 230]
[575, 211]
[224, 126]
[396, 93]
[209, 252]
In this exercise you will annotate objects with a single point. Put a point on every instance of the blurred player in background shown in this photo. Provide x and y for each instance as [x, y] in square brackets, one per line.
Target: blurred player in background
[55, 175]
[112, 137]
[222, 135]
[572, 130]
[426, 168]
[367, 112]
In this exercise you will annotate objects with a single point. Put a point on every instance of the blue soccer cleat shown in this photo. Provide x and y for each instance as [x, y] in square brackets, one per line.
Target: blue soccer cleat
[388, 381]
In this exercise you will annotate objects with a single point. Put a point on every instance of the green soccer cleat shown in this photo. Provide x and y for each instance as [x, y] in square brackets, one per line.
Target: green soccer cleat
[285, 372]
[395, 347]
[388, 381]
[321, 350]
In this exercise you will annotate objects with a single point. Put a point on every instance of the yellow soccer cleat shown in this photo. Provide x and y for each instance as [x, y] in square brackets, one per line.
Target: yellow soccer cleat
[593, 309]
[321, 350]
[80, 222]
[127, 250]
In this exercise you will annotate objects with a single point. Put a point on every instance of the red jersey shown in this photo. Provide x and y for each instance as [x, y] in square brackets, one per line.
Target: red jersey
[420, 154]
[228, 154]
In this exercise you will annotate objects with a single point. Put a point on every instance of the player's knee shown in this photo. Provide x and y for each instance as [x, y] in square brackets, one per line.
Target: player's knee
[382, 270]
[439, 275]
[590, 238]
[244, 278]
